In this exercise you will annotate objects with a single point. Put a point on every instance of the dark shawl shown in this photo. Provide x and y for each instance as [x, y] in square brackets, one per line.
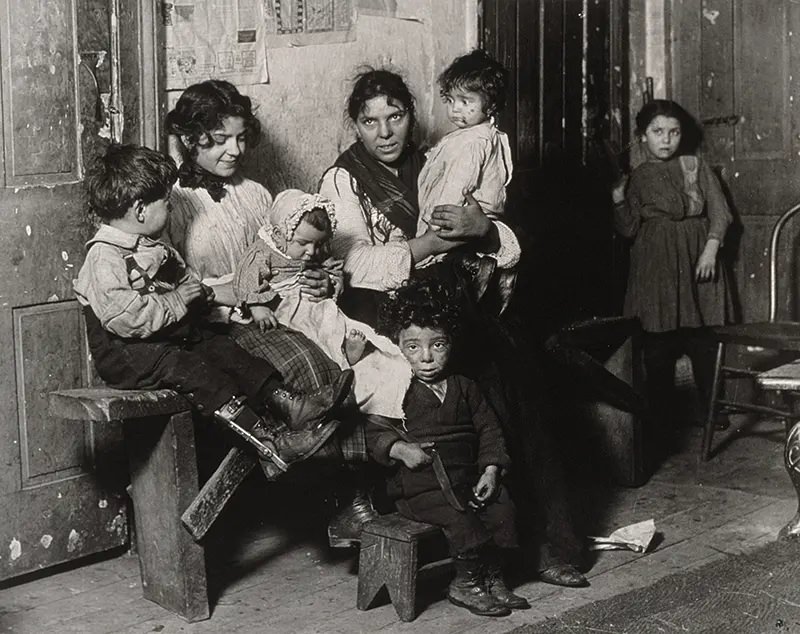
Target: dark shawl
[393, 196]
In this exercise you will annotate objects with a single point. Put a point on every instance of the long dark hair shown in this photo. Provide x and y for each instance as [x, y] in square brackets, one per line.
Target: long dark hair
[370, 83]
[203, 107]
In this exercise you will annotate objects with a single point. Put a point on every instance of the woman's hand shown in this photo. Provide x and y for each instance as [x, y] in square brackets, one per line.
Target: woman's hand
[454, 222]
[706, 268]
[264, 317]
[412, 455]
[486, 488]
[316, 284]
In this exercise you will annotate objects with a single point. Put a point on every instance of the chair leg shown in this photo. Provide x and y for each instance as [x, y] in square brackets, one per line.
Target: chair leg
[708, 432]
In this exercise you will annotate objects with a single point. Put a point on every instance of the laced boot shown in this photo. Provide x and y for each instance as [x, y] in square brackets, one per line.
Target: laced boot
[467, 589]
[344, 529]
[273, 441]
[306, 411]
[496, 585]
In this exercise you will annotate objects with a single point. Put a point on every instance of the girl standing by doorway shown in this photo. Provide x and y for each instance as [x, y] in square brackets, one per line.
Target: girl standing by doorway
[675, 212]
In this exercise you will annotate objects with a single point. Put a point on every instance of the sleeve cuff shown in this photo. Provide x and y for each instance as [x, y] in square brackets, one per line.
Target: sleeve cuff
[509, 253]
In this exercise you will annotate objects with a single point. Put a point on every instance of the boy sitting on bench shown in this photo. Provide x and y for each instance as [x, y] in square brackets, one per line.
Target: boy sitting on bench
[144, 311]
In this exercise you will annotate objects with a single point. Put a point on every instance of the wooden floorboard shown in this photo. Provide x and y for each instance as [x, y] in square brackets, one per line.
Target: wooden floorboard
[279, 576]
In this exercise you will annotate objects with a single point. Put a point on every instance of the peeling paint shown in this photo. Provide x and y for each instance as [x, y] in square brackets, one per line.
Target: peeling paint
[64, 256]
[74, 541]
[118, 525]
[46, 540]
[15, 549]
[53, 298]
[28, 230]
[103, 504]
[711, 15]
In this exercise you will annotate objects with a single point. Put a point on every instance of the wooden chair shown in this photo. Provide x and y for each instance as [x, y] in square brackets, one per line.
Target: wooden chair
[772, 335]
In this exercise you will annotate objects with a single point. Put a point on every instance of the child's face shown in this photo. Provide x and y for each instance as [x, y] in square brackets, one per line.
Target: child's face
[226, 149]
[465, 108]
[662, 137]
[427, 350]
[153, 217]
[306, 243]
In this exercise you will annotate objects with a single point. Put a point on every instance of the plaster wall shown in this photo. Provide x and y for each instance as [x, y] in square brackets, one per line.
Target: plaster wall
[302, 108]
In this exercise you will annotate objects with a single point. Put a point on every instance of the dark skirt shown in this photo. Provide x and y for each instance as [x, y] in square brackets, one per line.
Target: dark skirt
[662, 289]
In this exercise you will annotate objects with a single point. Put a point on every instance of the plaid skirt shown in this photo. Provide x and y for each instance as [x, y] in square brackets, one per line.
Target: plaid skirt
[304, 367]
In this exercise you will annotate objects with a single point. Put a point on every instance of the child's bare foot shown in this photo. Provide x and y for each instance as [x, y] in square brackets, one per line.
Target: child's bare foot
[354, 345]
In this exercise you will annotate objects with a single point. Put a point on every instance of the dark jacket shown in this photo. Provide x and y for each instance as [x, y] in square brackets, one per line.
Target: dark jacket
[465, 429]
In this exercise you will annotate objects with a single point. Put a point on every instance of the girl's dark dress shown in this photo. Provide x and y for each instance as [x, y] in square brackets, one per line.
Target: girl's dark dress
[671, 210]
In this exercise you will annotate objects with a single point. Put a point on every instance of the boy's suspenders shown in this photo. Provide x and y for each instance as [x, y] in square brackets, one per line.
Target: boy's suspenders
[149, 286]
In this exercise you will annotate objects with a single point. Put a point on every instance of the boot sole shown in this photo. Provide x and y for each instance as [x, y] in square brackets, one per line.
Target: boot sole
[332, 426]
[504, 611]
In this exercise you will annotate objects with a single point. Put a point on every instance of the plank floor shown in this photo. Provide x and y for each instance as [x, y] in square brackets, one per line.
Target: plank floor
[277, 575]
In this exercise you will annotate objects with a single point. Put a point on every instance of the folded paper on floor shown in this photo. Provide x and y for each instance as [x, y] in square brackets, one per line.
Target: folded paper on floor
[635, 537]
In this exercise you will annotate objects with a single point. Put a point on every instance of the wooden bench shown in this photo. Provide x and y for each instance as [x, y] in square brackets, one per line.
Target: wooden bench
[390, 558]
[159, 438]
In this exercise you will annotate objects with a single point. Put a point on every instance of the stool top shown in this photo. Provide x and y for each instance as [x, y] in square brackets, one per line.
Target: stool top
[395, 526]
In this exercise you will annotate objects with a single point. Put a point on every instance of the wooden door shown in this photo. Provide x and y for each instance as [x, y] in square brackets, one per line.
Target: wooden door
[736, 65]
[61, 483]
[567, 96]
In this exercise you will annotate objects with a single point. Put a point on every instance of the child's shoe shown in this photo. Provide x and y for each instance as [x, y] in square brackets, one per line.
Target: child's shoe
[467, 589]
[305, 411]
[496, 585]
[272, 440]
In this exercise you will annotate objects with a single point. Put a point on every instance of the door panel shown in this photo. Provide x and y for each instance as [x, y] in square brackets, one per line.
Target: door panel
[566, 96]
[747, 69]
[61, 482]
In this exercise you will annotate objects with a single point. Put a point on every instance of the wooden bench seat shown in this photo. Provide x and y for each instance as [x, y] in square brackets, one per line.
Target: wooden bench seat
[390, 558]
[160, 442]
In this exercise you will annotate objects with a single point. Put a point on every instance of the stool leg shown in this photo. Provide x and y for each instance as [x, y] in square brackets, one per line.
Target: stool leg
[708, 432]
[390, 563]
[163, 466]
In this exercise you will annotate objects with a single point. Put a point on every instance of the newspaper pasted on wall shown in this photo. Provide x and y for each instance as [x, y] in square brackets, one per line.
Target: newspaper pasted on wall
[223, 39]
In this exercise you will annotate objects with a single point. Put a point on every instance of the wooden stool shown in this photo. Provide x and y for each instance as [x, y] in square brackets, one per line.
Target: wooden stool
[163, 471]
[390, 557]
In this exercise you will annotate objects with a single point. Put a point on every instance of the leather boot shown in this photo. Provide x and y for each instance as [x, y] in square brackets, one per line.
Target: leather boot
[496, 585]
[305, 411]
[272, 440]
[344, 529]
[467, 589]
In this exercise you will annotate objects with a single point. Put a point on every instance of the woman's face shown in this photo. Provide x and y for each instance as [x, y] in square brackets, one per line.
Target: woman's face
[662, 137]
[226, 149]
[384, 126]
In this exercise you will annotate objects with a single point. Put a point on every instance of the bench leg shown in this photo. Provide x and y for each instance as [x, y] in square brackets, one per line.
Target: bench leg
[390, 563]
[163, 467]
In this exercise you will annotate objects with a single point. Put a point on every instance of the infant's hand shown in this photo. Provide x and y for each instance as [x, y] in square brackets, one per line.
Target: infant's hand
[412, 455]
[264, 317]
[190, 291]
